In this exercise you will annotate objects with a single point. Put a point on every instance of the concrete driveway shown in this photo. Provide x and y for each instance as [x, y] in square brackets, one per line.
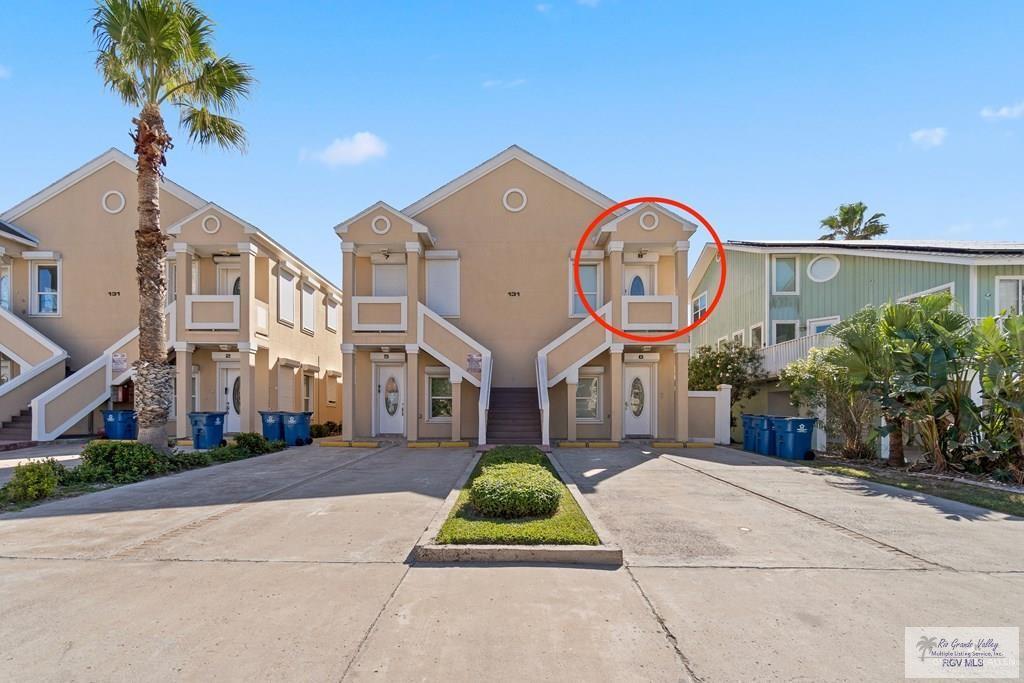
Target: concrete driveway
[294, 566]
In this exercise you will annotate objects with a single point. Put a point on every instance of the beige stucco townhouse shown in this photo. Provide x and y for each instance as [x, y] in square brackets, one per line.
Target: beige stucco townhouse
[460, 319]
[250, 326]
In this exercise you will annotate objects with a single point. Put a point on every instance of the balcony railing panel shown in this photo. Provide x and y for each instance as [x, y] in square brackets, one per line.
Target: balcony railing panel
[379, 313]
[211, 311]
[657, 312]
[778, 356]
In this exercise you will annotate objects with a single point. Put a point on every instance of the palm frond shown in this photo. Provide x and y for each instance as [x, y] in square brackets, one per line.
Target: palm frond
[205, 127]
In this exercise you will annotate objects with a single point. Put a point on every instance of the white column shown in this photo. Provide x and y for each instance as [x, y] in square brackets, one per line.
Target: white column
[682, 392]
[456, 380]
[412, 391]
[616, 391]
[348, 384]
[182, 388]
[572, 382]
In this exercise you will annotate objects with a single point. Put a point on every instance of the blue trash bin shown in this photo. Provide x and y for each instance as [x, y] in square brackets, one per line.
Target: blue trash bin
[273, 425]
[120, 424]
[749, 432]
[764, 435]
[296, 428]
[793, 437]
[207, 429]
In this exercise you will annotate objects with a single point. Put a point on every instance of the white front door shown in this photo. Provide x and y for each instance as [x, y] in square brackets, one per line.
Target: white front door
[639, 397]
[390, 399]
[229, 393]
[229, 280]
[638, 280]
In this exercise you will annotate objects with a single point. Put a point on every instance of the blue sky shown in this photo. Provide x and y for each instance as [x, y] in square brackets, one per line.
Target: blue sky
[763, 117]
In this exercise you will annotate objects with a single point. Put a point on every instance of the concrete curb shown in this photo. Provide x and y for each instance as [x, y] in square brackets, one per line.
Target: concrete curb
[426, 550]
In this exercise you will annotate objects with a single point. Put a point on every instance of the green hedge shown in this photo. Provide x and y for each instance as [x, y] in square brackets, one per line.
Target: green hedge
[515, 489]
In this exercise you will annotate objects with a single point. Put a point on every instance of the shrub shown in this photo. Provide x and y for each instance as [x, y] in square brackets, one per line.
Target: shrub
[506, 454]
[32, 481]
[121, 462]
[319, 431]
[277, 445]
[332, 428]
[183, 460]
[255, 444]
[515, 489]
[227, 453]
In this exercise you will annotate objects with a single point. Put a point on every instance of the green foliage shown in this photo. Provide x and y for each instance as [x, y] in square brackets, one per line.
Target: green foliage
[318, 431]
[255, 444]
[121, 462]
[732, 363]
[848, 223]
[515, 489]
[228, 454]
[187, 460]
[822, 380]
[160, 51]
[32, 481]
[567, 525]
[278, 445]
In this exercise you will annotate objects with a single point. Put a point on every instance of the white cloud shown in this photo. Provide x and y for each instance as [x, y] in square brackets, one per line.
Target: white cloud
[350, 151]
[543, 7]
[588, 3]
[5, 72]
[497, 83]
[926, 138]
[1009, 111]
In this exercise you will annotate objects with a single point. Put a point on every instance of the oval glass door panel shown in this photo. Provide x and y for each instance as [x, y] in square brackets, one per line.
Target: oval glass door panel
[636, 286]
[236, 395]
[391, 396]
[236, 288]
[636, 397]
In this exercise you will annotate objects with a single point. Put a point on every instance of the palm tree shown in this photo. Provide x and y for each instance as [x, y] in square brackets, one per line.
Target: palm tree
[848, 223]
[150, 53]
[925, 644]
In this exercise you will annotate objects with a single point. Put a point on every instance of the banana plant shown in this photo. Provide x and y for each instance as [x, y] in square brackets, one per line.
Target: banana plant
[1000, 363]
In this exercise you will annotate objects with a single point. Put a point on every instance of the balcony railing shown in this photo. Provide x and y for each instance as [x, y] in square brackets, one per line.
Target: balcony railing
[778, 356]
[657, 312]
[379, 313]
[211, 312]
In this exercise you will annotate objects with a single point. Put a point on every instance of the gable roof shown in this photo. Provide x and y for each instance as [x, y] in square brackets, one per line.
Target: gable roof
[519, 154]
[423, 231]
[612, 225]
[964, 252]
[111, 156]
[13, 232]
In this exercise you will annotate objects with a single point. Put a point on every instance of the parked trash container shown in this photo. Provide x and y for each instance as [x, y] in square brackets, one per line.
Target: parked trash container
[793, 437]
[120, 424]
[749, 432]
[207, 429]
[764, 436]
[296, 428]
[273, 425]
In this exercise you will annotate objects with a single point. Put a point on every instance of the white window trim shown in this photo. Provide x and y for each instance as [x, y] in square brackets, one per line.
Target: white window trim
[312, 391]
[810, 265]
[811, 322]
[280, 298]
[331, 305]
[5, 269]
[33, 304]
[998, 305]
[951, 286]
[653, 265]
[172, 411]
[721, 340]
[754, 327]
[597, 374]
[743, 336]
[443, 373]
[796, 274]
[458, 282]
[197, 376]
[307, 322]
[775, 330]
[600, 287]
[702, 295]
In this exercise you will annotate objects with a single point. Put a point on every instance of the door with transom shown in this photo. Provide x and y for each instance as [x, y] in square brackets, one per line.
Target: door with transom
[390, 401]
[637, 418]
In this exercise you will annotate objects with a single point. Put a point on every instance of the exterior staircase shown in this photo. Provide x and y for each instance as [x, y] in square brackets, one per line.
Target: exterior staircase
[18, 428]
[513, 417]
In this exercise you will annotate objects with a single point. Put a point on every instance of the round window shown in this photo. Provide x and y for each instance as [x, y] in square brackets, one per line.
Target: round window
[823, 268]
[636, 397]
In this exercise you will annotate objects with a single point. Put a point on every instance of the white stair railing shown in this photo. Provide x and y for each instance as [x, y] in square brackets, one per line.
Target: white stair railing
[40, 364]
[543, 399]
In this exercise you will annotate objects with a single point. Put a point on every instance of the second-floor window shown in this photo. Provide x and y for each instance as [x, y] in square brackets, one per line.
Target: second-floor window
[699, 306]
[784, 275]
[286, 296]
[590, 278]
[1009, 295]
[443, 286]
[45, 288]
[389, 279]
[332, 316]
[308, 309]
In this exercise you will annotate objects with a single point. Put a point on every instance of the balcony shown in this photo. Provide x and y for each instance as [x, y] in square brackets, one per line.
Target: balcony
[211, 312]
[653, 313]
[778, 356]
[379, 313]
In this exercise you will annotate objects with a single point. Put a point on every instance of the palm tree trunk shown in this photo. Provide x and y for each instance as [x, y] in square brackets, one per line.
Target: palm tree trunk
[152, 373]
[896, 457]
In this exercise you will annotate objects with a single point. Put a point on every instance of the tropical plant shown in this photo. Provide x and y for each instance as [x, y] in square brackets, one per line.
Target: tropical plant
[151, 53]
[821, 381]
[1000, 363]
[871, 369]
[732, 363]
[848, 223]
